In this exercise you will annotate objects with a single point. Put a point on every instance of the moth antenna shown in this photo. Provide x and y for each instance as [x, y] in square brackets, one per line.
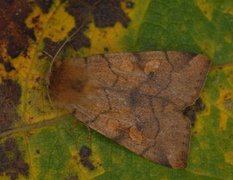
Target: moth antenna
[62, 46]
[54, 58]
[47, 54]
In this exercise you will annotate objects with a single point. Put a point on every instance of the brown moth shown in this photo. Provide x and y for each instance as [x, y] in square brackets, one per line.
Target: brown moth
[135, 99]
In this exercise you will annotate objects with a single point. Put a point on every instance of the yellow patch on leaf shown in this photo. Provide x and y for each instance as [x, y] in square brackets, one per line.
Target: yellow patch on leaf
[206, 8]
[228, 10]
[199, 124]
[3, 73]
[51, 25]
[225, 104]
[228, 156]
[198, 127]
[32, 71]
[104, 38]
[228, 38]
[223, 121]
[56, 29]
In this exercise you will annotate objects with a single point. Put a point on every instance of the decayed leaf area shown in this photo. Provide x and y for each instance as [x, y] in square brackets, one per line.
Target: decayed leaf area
[37, 140]
[26, 48]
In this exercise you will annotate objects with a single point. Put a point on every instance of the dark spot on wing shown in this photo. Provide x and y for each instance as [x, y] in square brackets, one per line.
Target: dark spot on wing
[133, 98]
[191, 114]
[190, 111]
[163, 158]
[139, 60]
[199, 105]
[191, 55]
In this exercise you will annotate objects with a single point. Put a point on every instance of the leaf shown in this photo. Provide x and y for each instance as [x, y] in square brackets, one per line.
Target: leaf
[44, 143]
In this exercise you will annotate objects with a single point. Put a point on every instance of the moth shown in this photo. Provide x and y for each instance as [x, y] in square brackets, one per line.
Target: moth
[135, 99]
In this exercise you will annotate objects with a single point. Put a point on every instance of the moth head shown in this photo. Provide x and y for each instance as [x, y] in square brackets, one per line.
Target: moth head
[68, 83]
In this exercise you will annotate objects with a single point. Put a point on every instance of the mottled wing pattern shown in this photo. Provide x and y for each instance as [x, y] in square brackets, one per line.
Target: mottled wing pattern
[136, 99]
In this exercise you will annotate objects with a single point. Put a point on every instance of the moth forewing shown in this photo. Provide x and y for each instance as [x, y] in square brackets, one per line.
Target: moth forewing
[136, 99]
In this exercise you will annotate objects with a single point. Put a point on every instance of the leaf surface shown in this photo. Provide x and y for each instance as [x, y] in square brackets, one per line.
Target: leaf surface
[41, 142]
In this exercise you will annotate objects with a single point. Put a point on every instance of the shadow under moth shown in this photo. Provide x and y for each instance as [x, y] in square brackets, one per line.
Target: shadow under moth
[135, 99]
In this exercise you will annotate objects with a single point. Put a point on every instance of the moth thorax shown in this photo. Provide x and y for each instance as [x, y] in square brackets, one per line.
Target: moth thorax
[68, 84]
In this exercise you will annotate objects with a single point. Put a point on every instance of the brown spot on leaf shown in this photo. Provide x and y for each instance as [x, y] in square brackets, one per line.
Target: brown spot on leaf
[8, 66]
[228, 101]
[106, 49]
[129, 4]
[45, 5]
[108, 12]
[37, 151]
[36, 19]
[190, 111]
[104, 13]
[51, 47]
[14, 33]
[84, 154]
[12, 163]
[10, 93]
[72, 177]
[87, 164]
[228, 104]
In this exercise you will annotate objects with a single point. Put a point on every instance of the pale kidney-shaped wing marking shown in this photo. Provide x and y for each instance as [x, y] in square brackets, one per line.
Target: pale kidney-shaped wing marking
[135, 99]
